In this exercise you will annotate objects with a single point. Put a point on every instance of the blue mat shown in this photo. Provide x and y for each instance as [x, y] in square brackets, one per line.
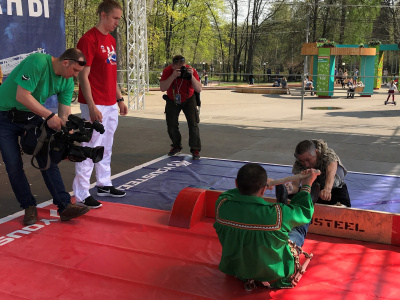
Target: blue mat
[157, 183]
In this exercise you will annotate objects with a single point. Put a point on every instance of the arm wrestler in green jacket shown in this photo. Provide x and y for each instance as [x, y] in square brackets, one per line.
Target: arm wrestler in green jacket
[254, 233]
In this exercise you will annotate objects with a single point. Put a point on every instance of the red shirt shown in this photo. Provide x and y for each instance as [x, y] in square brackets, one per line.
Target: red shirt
[179, 86]
[100, 53]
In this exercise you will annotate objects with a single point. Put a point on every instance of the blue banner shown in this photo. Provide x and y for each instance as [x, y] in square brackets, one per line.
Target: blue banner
[28, 26]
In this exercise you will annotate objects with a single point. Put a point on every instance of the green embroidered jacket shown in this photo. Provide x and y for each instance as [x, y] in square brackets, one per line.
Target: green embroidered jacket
[254, 235]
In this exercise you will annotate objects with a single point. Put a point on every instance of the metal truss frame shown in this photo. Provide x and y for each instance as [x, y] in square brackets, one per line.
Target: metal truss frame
[9, 63]
[137, 54]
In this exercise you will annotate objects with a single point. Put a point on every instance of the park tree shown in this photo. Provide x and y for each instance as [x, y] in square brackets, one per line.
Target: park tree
[233, 36]
[185, 27]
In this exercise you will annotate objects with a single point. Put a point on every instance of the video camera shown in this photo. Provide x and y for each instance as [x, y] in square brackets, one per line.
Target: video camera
[64, 145]
[47, 145]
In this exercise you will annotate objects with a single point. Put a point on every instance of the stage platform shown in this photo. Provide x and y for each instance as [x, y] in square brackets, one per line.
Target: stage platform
[127, 250]
[156, 184]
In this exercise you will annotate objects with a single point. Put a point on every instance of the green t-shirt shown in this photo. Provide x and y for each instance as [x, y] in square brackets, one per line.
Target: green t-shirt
[35, 74]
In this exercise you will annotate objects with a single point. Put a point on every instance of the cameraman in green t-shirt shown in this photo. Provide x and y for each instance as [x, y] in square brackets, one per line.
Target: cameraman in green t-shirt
[22, 96]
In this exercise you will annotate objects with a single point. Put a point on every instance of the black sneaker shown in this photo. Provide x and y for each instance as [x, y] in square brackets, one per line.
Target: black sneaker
[281, 194]
[174, 151]
[91, 202]
[196, 154]
[109, 191]
[73, 211]
[30, 217]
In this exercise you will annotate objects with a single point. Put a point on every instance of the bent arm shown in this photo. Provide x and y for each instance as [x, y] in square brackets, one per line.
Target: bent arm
[64, 111]
[85, 86]
[330, 179]
[165, 84]
[84, 83]
[196, 84]
[25, 97]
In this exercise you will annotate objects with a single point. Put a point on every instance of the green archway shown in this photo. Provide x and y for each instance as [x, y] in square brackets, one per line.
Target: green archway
[323, 65]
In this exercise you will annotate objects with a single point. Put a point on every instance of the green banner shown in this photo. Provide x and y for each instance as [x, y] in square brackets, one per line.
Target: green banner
[323, 71]
[378, 68]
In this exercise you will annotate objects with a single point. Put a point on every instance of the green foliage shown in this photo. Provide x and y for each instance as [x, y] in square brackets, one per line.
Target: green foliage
[80, 16]
[183, 27]
[323, 42]
[154, 78]
[203, 30]
[374, 43]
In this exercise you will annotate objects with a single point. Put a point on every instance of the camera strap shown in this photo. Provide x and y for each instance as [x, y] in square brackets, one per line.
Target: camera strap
[42, 140]
[178, 89]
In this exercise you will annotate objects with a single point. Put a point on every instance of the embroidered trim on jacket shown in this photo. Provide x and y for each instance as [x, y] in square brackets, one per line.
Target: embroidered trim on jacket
[275, 226]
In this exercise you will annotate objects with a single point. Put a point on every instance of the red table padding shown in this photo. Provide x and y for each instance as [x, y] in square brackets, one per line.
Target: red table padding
[127, 252]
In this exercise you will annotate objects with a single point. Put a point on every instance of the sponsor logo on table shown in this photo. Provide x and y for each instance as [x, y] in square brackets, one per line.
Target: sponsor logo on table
[335, 224]
[25, 231]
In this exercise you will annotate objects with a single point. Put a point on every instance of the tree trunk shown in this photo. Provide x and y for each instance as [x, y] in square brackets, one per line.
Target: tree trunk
[315, 18]
[219, 32]
[236, 42]
[197, 41]
[169, 25]
[342, 27]
[120, 54]
[76, 28]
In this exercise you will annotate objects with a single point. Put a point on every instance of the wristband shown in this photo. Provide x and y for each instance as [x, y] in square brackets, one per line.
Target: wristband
[120, 100]
[306, 188]
[49, 117]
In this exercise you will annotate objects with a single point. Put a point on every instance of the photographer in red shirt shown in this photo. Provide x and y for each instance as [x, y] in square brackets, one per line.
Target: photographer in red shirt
[180, 81]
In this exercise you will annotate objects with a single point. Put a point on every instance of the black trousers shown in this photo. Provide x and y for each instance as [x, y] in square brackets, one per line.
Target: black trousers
[172, 112]
[338, 195]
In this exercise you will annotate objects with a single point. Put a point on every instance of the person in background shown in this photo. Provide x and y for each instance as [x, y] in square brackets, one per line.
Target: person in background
[284, 83]
[355, 76]
[308, 86]
[350, 89]
[251, 79]
[340, 76]
[391, 91]
[385, 76]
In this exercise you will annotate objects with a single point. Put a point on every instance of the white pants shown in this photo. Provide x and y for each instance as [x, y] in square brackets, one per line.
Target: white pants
[84, 169]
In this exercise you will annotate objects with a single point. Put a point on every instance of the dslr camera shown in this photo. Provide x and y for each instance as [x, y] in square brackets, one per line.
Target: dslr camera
[65, 144]
[185, 74]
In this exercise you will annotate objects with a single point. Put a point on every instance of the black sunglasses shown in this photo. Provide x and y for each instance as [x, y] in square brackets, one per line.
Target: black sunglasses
[80, 62]
[178, 60]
